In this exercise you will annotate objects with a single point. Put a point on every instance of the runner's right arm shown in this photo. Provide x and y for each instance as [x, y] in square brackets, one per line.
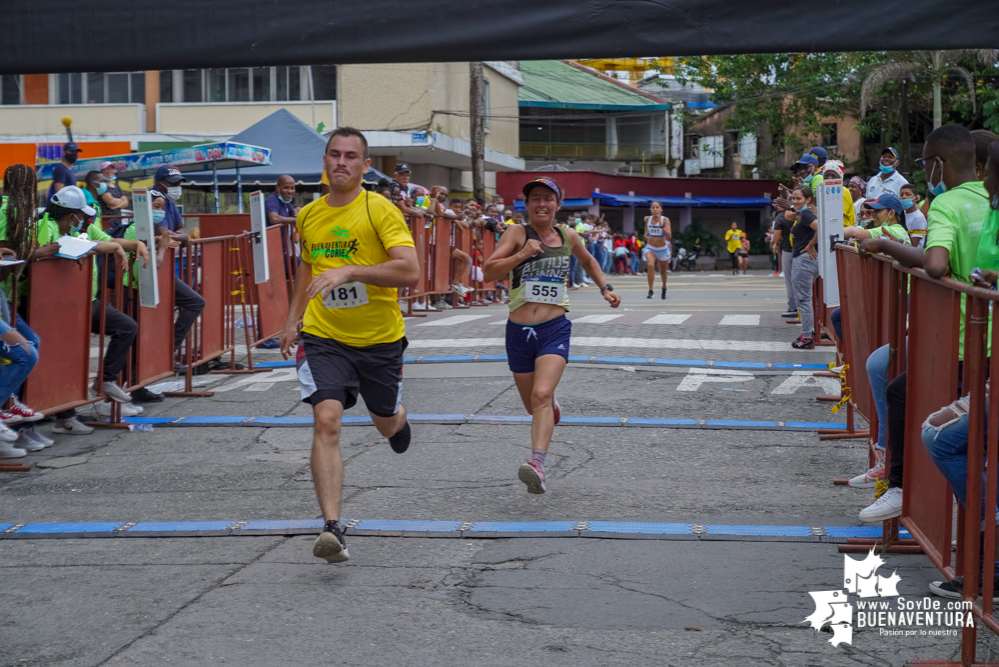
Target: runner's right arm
[299, 301]
[507, 255]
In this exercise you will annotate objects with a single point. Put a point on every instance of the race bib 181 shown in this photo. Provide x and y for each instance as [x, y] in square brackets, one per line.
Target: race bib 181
[348, 295]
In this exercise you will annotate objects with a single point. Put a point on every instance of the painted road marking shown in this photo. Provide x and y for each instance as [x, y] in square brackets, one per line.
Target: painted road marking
[596, 319]
[643, 343]
[452, 320]
[667, 319]
[741, 320]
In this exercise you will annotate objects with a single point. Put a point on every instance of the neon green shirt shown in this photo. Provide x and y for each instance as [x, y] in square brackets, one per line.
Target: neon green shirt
[48, 232]
[955, 223]
[896, 231]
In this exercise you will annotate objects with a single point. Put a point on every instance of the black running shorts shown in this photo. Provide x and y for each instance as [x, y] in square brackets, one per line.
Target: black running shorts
[328, 370]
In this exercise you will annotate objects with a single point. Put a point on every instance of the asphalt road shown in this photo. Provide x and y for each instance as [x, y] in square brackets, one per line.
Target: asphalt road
[471, 601]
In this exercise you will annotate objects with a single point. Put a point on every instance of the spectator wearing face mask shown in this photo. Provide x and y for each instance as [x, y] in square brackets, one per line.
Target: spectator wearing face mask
[915, 221]
[889, 180]
[62, 174]
[279, 206]
[112, 199]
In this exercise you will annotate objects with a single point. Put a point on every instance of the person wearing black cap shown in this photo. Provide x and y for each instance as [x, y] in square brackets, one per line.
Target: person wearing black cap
[537, 333]
[62, 174]
[889, 180]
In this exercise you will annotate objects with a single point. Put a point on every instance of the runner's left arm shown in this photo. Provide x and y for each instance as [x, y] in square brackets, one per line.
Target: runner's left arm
[299, 301]
[402, 270]
[591, 267]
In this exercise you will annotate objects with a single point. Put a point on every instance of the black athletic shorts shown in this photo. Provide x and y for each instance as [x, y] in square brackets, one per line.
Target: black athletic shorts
[331, 370]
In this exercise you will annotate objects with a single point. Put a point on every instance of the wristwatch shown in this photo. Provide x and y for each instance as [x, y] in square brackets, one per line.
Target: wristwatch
[607, 288]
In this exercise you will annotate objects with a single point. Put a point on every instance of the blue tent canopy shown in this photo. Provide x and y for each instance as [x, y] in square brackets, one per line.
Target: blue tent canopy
[296, 150]
[518, 204]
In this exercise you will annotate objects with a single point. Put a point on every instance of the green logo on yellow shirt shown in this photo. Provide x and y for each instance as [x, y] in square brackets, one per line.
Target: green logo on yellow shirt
[340, 232]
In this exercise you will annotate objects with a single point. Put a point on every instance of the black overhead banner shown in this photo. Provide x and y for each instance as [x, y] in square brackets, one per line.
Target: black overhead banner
[41, 36]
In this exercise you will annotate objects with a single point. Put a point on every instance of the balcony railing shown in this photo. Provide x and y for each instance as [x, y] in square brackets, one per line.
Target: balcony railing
[598, 151]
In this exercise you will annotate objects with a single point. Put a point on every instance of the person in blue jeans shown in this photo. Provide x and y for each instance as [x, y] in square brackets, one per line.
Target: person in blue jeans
[19, 348]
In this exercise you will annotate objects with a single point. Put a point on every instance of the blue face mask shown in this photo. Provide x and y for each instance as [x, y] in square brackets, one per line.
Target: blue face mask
[808, 179]
[939, 188]
[158, 216]
[800, 210]
[283, 200]
[101, 189]
[74, 229]
[907, 203]
[885, 170]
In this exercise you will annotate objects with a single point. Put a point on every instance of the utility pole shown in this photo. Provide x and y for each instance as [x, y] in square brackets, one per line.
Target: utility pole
[477, 104]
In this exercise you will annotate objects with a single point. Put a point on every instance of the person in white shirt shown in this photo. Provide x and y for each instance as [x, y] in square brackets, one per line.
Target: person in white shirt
[889, 180]
[915, 221]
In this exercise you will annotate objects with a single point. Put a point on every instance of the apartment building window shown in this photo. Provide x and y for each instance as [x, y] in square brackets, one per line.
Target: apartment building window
[10, 89]
[101, 88]
[237, 84]
[829, 137]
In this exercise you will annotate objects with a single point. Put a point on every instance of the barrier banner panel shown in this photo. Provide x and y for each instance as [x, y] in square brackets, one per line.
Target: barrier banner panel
[213, 291]
[931, 383]
[154, 343]
[830, 203]
[258, 239]
[272, 295]
[148, 276]
[59, 311]
[857, 327]
[221, 224]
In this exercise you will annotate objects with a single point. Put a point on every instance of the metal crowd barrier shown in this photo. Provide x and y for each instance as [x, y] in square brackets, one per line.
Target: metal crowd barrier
[884, 303]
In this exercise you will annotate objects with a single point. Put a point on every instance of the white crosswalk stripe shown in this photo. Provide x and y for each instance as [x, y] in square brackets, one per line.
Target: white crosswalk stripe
[665, 318]
[741, 320]
[451, 321]
[595, 319]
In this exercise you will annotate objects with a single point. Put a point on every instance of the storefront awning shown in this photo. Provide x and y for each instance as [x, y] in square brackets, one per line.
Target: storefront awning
[644, 201]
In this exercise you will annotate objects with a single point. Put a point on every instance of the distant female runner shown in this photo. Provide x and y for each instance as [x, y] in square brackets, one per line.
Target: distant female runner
[658, 234]
[537, 334]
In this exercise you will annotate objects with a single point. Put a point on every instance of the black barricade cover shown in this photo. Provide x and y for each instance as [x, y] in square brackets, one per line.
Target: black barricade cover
[41, 36]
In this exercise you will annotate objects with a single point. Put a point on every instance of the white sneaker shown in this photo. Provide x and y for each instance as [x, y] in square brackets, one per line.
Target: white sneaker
[888, 506]
[419, 305]
[9, 451]
[458, 289]
[7, 434]
[37, 437]
[72, 426]
[114, 392]
[780, 275]
[869, 478]
[25, 442]
[103, 409]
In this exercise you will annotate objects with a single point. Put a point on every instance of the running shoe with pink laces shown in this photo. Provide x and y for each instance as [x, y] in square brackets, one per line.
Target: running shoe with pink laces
[533, 475]
[24, 412]
[869, 478]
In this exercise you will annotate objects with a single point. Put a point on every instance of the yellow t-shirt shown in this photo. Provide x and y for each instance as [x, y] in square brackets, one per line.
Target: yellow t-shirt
[734, 238]
[359, 233]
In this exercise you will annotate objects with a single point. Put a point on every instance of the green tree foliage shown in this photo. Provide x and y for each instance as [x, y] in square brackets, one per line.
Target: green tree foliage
[785, 95]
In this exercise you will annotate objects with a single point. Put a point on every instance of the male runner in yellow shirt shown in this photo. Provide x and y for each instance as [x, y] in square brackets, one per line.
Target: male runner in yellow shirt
[356, 253]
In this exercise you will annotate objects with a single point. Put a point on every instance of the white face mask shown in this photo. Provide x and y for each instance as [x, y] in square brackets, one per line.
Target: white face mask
[173, 193]
[500, 207]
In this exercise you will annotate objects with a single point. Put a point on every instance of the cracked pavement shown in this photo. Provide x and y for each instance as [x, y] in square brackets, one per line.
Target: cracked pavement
[439, 601]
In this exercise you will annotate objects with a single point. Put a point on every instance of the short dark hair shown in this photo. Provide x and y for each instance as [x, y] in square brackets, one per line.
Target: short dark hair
[956, 143]
[911, 187]
[348, 132]
[983, 140]
[457, 200]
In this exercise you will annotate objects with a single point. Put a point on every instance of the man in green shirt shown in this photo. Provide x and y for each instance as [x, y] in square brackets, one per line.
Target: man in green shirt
[955, 222]
[65, 215]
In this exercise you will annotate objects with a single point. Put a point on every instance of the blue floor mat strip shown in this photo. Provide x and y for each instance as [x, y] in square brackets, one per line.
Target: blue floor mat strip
[461, 418]
[439, 528]
[641, 361]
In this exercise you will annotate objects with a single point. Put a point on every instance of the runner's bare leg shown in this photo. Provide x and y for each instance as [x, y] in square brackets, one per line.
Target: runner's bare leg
[326, 463]
[547, 373]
